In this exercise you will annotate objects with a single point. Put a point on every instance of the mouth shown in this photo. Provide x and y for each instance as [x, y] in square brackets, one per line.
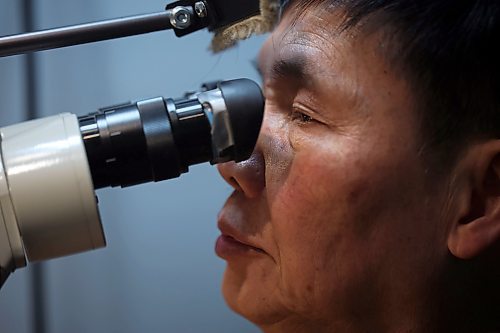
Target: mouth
[230, 245]
[227, 246]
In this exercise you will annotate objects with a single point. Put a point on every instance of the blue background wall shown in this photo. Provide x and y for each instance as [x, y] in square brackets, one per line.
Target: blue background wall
[159, 272]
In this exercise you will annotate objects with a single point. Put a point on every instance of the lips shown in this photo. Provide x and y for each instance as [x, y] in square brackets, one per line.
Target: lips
[232, 243]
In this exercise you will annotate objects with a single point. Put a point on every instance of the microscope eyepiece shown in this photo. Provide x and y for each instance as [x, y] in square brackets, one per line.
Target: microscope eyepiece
[245, 105]
[158, 139]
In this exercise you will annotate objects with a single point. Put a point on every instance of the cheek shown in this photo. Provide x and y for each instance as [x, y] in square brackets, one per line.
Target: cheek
[324, 213]
[308, 212]
[324, 173]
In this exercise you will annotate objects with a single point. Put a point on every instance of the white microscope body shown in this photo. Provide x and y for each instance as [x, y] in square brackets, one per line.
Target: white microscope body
[48, 208]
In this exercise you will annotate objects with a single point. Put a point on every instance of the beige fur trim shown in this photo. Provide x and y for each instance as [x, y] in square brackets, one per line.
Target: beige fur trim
[229, 36]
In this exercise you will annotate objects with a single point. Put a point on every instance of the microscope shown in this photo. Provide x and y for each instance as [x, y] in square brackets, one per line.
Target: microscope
[117, 146]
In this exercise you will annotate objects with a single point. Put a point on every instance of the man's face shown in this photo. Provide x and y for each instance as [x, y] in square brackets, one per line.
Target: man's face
[335, 202]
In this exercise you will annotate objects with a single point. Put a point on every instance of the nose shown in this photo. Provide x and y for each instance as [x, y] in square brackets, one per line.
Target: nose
[248, 176]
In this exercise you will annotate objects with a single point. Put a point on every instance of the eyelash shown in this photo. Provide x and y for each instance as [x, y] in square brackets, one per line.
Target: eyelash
[300, 117]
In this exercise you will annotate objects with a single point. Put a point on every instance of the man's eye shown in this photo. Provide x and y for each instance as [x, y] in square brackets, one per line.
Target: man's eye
[301, 117]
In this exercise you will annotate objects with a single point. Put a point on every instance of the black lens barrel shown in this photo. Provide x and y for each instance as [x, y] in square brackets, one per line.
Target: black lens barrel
[130, 144]
[191, 128]
[158, 139]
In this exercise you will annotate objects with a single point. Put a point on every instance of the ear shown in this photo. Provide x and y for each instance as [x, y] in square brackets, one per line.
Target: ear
[478, 226]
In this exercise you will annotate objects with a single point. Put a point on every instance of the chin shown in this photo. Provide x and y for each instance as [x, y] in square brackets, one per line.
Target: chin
[253, 296]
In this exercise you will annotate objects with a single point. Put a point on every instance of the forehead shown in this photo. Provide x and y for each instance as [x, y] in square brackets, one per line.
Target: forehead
[310, 48]
[342, 68]
[312, 33]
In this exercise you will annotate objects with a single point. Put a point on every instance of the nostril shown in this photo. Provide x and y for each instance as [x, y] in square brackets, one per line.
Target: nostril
[234, 183]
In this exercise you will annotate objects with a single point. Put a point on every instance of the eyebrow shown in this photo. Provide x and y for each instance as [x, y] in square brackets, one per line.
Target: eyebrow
[294, 68]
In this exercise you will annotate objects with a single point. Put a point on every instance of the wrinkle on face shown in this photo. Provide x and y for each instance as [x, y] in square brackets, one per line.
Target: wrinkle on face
[325, 62]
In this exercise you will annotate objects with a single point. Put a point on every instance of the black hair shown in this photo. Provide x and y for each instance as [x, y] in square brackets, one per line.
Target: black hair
[448, 50]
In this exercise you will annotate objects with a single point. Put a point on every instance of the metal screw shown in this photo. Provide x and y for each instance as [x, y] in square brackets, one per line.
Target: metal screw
[201, 9]
[181, 17]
